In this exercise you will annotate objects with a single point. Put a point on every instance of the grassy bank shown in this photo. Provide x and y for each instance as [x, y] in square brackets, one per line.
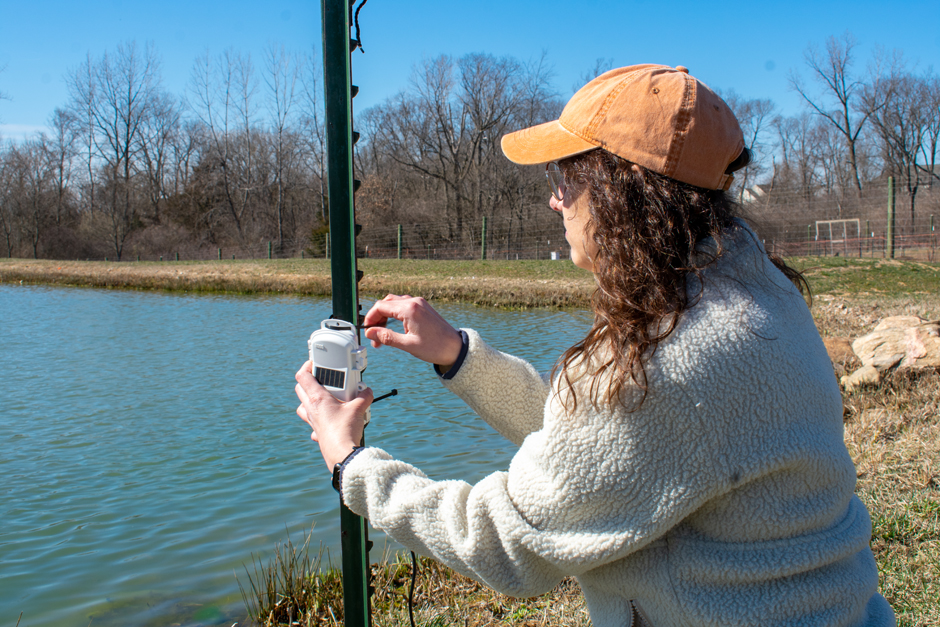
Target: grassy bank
[516, 284]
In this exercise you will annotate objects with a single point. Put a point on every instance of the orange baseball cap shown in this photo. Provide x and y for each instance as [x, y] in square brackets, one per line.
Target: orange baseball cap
[656, 116]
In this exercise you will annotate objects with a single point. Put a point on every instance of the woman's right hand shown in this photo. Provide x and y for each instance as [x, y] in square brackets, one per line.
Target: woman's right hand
[427, 335]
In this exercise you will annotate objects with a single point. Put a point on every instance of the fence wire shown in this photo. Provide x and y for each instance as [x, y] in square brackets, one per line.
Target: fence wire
[788, 224]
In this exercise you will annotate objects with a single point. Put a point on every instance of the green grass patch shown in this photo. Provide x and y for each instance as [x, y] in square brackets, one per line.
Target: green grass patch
[847, 276]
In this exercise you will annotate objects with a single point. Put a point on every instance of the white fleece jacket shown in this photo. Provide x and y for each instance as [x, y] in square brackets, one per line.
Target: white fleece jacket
[727, 499]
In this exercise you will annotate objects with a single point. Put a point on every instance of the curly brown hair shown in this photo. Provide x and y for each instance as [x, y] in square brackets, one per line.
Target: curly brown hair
[646, 227]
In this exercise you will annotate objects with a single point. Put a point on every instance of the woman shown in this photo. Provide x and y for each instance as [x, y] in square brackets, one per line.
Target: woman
[685, 460]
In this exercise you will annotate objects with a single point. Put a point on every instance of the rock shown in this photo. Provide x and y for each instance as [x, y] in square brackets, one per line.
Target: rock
[902, 341]
[898, 322]
[866, 375]
[897, 342]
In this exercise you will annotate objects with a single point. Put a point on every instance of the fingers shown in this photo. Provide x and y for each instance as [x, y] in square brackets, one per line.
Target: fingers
[392, 306]
[404, 308]
[381, 336]
[381, 311]
[303, 415]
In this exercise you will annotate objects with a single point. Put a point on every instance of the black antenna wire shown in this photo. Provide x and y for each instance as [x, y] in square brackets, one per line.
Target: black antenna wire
[356, 21]
[411, 592]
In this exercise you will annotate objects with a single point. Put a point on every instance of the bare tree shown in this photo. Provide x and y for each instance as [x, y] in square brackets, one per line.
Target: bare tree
[312, 132]
[434, 150]
[281, 78]
[118, 93]
[755, 117]
[83, 98]
[157, 140]
[902, 124]
[840, 103]
[538, 100]
[931, 141]
[222, 97]
[600, 66]
[62, 148]
[7, 207]
[800, 155]
[32, 188]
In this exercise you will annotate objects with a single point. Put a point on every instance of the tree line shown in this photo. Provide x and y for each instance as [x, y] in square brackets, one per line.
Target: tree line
[238, 160]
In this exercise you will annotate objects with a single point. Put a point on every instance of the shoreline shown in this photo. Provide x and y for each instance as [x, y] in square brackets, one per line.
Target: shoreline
[502, 284]
[526, 284]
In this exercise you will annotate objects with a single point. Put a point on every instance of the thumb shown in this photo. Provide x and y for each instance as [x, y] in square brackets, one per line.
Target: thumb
[364, 396]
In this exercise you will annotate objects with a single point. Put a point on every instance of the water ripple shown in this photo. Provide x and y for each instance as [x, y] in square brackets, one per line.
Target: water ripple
[150, 445]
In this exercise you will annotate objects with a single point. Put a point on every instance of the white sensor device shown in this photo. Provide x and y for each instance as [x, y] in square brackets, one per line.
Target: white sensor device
[337, 358]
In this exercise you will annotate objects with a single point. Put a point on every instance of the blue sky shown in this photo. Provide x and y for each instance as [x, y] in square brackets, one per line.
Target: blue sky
[747, 46]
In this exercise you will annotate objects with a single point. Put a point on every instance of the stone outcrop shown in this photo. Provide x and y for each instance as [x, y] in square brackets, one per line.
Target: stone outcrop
[896, 342]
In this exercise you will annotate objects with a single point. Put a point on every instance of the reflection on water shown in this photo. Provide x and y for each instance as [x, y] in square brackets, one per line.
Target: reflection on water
[150, 445]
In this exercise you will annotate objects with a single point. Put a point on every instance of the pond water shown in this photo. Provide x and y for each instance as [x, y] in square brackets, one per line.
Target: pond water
[150, 445]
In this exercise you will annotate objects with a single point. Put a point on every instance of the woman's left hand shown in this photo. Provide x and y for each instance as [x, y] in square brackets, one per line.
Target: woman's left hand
[337, 426]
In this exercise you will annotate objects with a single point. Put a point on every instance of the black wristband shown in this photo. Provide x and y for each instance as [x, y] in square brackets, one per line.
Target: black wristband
[452, 371]
[338, 469]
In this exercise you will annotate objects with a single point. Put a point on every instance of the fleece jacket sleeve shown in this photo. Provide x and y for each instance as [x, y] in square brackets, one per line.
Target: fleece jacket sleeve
[507, 392]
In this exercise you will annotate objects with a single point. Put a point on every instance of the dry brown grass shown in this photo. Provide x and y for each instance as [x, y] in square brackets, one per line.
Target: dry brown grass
[893, 437]
[515, 284]
[893, 434]
[445, 599]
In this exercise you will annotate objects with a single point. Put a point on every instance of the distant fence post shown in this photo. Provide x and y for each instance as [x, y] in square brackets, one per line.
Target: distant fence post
[933, 234]
[889, 235]
[220, 254]
[269, 250]
[177, 256]
[399, 241]
[483, 240]
[809, 238]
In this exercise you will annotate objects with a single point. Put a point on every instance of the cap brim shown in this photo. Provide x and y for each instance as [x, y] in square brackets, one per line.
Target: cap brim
[543, 143]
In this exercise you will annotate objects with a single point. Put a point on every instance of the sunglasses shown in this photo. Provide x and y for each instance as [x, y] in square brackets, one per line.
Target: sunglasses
[556, 180]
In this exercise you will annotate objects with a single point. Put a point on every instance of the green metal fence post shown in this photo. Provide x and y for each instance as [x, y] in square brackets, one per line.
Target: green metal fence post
[889, 235]
[337, 73]
[269, 250]
[483, 241]
[399, 241]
